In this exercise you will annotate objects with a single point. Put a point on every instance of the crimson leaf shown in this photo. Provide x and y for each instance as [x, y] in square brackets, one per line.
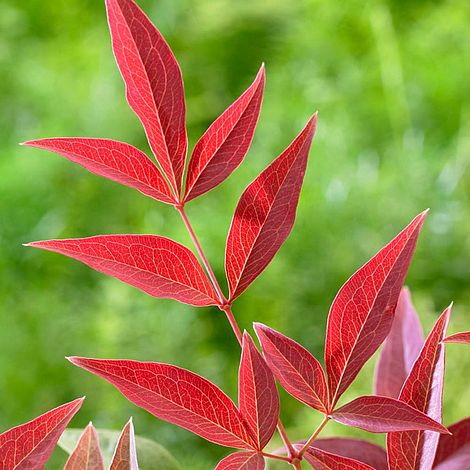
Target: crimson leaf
[463, 338]
[241, 461]
[453, 452]
[125, 455]
[322, 460]
[87, 453]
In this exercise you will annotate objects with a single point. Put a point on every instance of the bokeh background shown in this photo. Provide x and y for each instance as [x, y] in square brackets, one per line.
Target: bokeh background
[390, 82]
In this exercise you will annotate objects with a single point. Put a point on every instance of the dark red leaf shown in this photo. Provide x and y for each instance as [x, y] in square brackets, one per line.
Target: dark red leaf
[453, 452]
[296, 369]
[154, 85]
[224, 145]
[257, 395]
[157, 265]
[175, 395]
[242, 461]
[114, 160]
[125, 456]
[462, 338]
[384, 414]
[322, 460]
[362, 313]
[29, 446]
[87, 453]
[265, 214]
[401, 348]
[413, 450]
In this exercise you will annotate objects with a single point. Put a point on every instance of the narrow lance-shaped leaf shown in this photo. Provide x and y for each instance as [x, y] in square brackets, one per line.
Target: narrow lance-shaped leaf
[384, 414]
[453, 452]
[175, 395]
[242, 461]
[125, 455]
[265, 213]
[462, 338]
[154, 84]
[257, 395]
[362, 312]
[87, 453]
[322, 460]
[295, 368]
[29, 446]
[415, 450]
[156, 265]
[224, 145]
[401, 348]
[114, 160]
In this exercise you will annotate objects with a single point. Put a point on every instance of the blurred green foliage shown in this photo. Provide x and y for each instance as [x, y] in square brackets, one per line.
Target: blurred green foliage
[390, 81]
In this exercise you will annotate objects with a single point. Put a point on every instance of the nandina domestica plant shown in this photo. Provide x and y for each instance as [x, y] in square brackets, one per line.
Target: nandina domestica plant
[371, 308]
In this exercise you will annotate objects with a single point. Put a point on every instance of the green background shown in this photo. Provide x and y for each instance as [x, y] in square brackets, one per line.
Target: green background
[391, 83]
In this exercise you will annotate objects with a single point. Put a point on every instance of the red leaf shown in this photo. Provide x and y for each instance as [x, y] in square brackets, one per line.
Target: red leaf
[29, 446]
[258, 397]
[321, 460]
[462, 338]
[265, 213]
[297, 370]
[156, 265]
[453, 452]
[422, 390]
[125, 456]
[241, 461]
[87, 453]
[175, 395]
[224, 145]
[384, 414]
[401, 348]
[362, 313]
[154, 85]
[114, 160]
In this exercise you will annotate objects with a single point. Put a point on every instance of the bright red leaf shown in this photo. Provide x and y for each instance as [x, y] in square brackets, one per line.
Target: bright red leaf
[125, 456]
[322, 460]
[154, 85]
[157, 265]
[362, 312]
[224, 145]
[29, 446]
[413, 450]
[175, 395]
[87, 453]
[384, 414]
[401, 348]
[265, 213]
[258, 398]
[296, 369]
[453, 452]
[241, 461]
[462, 338]
[114, 160]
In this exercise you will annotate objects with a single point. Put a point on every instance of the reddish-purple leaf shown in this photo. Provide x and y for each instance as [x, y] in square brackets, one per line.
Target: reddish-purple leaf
[156, 265]
[453, 452]
[384, 414]
[265, 213]
[241, 461]
[257, 395]
[462, 338]
[362, 312]
[154, 85]
[114, 160]
[87, 453]
[322, 460]
[29, 446]
[413, 450]
[224, 145]
[296, 369]
[175, 395]
[125, 456]
[401, 348]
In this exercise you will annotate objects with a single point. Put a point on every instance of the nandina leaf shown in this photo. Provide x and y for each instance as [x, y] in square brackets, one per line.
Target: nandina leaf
[384, 414]
[241, 461]
[413, 450]
[265, 213]
[462, 338]
[175, 395]
[453, 452]
[156, 265]
[115, 160]
[224, 145]
[154, 84]
[296, 369]
[362, 312]
[125, 455]
[87, 453]
[258, 398]
[401, 348]
[322, 460]
[29, 446]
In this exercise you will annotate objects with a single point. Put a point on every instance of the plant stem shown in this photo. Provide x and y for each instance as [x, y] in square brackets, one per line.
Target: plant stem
[297, 465]
[233, 322]
[313, 436]
[274, 456]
